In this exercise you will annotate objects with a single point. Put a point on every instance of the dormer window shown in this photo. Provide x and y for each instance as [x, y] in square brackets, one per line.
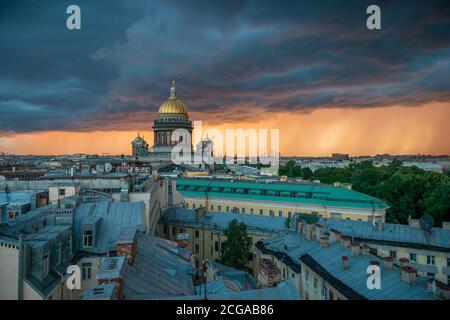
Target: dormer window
[87, 238]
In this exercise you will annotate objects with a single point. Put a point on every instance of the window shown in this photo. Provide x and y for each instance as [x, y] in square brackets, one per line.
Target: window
[182, 230]
[393, 254]
[243, 210]
[174, 231]
[280, 213]
[448, 262]
[289, 214]
[86, 270]
[197, 234]
[165, 230]
[373, 251]
[87, 238]
[219, 208]
[58, 253]
[193, 206]
[62, 192]
[228, 209]
[359, 219]
[216, 246]
[315, 284]
[307, 277]
[251, 210]
[413, 257]
[430, 260]
[430, 274]
[45, 265]
[201, 205]
[50, 297]
[261, 212]
[212, 207]
[335, 215]
[197, 249]
[324, 292]
[271, 213]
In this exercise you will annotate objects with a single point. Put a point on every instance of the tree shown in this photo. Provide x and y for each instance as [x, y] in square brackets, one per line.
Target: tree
[237, 247]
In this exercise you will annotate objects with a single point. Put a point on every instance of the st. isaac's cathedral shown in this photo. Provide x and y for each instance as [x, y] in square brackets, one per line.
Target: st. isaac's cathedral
[172, 115]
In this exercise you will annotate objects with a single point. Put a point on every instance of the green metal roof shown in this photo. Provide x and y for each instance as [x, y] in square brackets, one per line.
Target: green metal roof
[313, 194]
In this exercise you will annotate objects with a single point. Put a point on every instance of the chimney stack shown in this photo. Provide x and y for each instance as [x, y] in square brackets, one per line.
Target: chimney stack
[355, 249]
[334, 235]
[388, 263]
[324, 241]
[365, 250]
[318, 228]
[346, 241]
[299, 226]
[404, 262]
[408, 275]
[308, 231]
[345, 264]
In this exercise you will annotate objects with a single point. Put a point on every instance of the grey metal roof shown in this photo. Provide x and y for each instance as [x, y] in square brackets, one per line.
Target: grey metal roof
[256, 224]
[160, 268]
[15, 197]
[330, 258]
[99, 292]
[112, 218]
[111, 268]
[284, 290]
[437, 237]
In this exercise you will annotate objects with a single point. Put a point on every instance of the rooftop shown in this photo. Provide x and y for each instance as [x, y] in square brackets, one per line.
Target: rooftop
[110, 218]
[351, 282]
[256, 224]
[15, 197]
[399, 234]
[307, 193]
[160, 269]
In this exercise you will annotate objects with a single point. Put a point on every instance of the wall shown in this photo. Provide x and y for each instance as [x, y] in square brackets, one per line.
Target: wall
[9, 258]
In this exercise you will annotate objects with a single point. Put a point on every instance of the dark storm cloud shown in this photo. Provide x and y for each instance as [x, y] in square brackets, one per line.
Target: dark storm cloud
[225, 55]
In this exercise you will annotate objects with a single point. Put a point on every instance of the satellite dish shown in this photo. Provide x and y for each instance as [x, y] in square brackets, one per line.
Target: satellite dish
[426, 222]
[108, 167]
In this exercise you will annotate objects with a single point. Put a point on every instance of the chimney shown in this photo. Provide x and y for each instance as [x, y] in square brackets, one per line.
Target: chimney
[346, 241]
[388, 263]
[299, 226]
[413, 223]
[345, 265]
[318, 230]
[324, 241]
[308, 230]
[355, 249]
[126, 244]
[378, 223]
[199, 212]
[403, 262]
[334, 235]
[365, 250]
[408, 275]
[375, 263]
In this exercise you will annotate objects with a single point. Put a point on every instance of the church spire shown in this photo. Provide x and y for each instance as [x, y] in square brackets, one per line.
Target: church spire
[173, 90]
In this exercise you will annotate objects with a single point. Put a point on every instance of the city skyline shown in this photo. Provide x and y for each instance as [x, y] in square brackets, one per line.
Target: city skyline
[313, 71]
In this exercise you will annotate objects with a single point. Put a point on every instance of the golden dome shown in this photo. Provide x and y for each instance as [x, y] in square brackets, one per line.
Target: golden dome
[173, 104]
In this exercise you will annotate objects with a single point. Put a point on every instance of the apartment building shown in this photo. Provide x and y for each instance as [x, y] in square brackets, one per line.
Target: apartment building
[280, 199]
[333, 266]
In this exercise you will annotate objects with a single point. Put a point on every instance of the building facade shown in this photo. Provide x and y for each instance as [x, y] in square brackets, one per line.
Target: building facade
[280, 199]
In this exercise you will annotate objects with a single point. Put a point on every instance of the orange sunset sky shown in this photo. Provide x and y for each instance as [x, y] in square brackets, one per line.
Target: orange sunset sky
[395, 130]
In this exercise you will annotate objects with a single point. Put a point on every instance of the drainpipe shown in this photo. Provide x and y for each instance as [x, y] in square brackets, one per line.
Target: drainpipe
[20, 270]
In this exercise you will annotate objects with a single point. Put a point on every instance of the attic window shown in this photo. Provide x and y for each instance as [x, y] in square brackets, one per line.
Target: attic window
[87, 238]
